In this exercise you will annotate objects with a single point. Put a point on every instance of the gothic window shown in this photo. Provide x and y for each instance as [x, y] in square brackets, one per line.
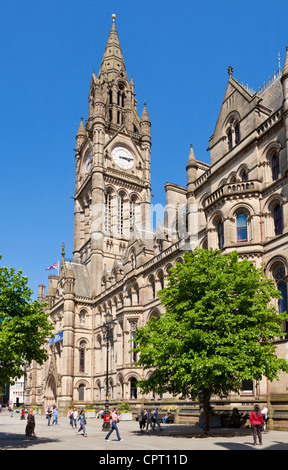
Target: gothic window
[220, 233]
[278, 219]
[129, 293]
[275, 166]
[233, 131]
[81, 393]
[161, 279]
[133, 326]
[108, 211]
[120, 218]
[133, 259]
[133, 388]
[229, 135]
[132, 211]
[153, 286]
[237, 133]
[82, 318]
[244, 175]
[82, 356]
[241, 228]
[279, 276]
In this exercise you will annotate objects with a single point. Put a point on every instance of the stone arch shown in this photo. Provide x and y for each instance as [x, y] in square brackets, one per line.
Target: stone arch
[51, 390]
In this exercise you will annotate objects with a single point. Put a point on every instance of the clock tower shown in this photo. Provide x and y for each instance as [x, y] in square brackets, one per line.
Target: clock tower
[112, 193]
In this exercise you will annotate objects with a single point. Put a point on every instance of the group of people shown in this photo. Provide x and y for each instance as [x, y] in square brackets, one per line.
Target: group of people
[73, 418]
[52, 411]
[148, 418]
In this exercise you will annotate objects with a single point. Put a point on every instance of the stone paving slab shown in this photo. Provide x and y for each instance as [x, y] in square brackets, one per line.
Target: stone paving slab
[172, 439]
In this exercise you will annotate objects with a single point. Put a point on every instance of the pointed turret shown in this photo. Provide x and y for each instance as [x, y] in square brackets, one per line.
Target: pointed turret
[145, 122]
[113, 61]
[80, 136]
[191, 169]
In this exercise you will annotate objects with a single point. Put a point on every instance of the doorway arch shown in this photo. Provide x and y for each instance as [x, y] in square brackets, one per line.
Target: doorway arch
[51, 391]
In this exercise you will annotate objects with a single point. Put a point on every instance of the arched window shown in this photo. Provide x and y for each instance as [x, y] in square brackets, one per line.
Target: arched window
[82, 318]
[244, 175]
[241, 228]
[82, 356]
[81, 392]
[278, 219]
[108, 211]
[153, 287]
[237, 133]
[220, 232]
[275, 166]
[132, 211]
[133, 389]
[230, 143]
[279, 275]
[133, 326]
[120, 217]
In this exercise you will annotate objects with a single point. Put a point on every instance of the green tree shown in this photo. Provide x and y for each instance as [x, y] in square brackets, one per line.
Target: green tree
[24, 326]
[217, 331]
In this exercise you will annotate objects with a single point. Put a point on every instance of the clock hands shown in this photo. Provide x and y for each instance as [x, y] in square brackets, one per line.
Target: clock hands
[126, 158]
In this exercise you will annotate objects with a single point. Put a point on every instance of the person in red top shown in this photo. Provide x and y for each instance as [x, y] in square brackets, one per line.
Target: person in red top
[256, 420]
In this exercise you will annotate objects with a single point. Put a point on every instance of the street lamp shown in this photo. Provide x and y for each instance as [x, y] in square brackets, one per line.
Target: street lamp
[107, 329]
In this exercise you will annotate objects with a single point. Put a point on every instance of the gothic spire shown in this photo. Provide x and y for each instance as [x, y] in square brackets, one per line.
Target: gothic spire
[112, 62]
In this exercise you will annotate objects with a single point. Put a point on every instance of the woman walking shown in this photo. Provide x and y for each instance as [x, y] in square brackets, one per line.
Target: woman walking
[30, 426]
[82, 423]
[115, 420]
[256, 420]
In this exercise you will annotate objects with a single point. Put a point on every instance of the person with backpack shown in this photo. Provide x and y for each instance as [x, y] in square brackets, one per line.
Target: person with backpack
[256, 420]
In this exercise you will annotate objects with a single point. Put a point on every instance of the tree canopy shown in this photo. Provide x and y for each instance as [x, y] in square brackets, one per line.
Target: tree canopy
[24, 326]
[218, 328]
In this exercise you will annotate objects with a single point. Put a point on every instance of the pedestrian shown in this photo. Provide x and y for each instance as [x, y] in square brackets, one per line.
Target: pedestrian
[256, 420]
[75, 415]
[148, 420]
[155, 420]
[142, 419]
[264, 412]
[55, 413]
[82, 423]
[22, 414]
[115, 420]
[49, 414]
[12, 411]
[30, 426]
[71, 417]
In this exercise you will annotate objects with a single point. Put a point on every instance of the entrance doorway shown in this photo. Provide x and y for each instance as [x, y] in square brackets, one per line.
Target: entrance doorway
[50, 394]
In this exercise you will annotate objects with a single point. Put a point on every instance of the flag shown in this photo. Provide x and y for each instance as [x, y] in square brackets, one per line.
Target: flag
[54, 266]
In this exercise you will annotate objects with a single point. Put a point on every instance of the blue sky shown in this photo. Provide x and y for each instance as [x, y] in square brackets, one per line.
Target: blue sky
[178, 54]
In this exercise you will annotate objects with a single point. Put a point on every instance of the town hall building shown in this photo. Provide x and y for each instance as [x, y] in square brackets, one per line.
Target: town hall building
[238, 202]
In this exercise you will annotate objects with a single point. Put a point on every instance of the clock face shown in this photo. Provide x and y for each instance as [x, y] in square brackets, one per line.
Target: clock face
[88, 163]
[123, 158]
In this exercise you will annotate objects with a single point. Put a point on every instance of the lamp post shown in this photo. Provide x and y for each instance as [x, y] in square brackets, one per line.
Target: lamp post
[107, 329]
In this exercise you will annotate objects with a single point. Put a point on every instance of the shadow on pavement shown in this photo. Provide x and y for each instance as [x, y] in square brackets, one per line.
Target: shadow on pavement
[18, 441]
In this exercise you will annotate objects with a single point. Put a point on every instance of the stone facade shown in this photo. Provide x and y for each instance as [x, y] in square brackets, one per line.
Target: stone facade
[238, 202]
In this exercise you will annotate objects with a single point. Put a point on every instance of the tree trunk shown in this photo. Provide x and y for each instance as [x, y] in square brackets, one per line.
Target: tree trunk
[206, 408]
